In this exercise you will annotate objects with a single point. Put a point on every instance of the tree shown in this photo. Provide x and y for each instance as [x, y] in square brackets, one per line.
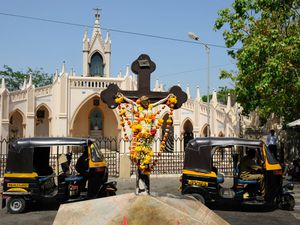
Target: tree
[222, 95]
[14, 79]
[265, 35]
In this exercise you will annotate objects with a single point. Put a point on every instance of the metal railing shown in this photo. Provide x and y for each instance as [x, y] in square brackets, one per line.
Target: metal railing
[3, 154]
[223, 160]
[170, 161]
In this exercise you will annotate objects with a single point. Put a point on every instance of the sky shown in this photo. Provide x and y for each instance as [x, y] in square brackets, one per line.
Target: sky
[38, 44]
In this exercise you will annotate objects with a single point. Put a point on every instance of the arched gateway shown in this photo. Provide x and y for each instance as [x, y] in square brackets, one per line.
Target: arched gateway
[94, 119]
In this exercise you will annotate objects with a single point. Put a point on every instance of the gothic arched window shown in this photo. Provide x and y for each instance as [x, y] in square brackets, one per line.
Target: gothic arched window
[96, 120]
[96, 66]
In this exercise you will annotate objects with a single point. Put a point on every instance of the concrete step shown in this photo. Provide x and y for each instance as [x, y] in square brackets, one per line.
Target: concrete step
[296, 215]
[297, 207]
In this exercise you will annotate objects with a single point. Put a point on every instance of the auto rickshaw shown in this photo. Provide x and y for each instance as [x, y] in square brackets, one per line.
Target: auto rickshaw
[29, 176]
[202, 179]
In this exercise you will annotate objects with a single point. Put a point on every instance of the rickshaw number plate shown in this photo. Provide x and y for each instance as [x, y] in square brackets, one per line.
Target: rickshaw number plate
[23, 185]
[198, 183]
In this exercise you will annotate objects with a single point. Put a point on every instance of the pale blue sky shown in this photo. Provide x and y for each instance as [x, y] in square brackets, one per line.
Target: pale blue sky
[29, 43]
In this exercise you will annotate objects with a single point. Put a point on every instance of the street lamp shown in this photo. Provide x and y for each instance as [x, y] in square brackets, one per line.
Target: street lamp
[207, 49]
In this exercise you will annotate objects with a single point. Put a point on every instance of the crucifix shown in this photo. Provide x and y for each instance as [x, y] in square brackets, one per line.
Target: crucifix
[143, 67]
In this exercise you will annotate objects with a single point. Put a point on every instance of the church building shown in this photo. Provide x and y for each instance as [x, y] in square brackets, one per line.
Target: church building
[71, 106]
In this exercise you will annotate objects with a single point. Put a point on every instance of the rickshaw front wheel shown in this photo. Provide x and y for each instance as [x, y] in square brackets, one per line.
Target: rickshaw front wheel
[16, 205]
[287, 202]
[199, 198]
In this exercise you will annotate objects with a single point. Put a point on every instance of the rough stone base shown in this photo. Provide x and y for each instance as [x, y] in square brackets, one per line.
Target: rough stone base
[131, 209]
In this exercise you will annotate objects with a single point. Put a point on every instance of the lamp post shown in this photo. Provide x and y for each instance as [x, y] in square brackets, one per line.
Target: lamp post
[207, 49]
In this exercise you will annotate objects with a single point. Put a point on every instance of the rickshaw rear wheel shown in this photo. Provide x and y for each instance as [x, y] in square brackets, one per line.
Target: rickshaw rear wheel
[197, 196]
[16, 205]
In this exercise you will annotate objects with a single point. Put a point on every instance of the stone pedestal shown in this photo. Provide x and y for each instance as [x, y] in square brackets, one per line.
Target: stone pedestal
[124, 166]
[137, 210]
[142, 183]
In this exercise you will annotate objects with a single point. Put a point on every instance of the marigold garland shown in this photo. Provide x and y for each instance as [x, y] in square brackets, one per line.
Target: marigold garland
[144, 123]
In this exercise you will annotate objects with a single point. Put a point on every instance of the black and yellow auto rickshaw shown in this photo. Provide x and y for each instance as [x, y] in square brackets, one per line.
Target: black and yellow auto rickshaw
[29, 176]
[203, 178]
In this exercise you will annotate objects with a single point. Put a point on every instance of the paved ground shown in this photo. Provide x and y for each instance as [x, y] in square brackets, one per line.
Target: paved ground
[44, 214]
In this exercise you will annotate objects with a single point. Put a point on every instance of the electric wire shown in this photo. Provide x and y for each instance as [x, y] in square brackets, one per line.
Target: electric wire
[113, 30]
[195, 70]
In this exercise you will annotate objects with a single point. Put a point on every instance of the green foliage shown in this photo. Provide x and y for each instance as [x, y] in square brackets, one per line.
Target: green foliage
[266, 37]
[15, 79]
[222, 95]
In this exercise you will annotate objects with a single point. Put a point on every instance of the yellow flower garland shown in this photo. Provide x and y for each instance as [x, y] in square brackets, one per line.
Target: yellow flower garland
[144, 126]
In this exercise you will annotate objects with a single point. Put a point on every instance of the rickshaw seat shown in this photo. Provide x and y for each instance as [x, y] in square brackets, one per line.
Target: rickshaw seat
[240, 181]
[220, 179]
[247, 181]
[41, 179]
[74, 178]
[44, 178]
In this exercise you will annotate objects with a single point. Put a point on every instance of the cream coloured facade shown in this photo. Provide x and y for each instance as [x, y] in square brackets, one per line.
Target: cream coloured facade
[71, 105]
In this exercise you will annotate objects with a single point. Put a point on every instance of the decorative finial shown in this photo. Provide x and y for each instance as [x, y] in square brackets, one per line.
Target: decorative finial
[107, 39]
[85, 36]
[30, 80]
[214, 97]
[161, 87]
[127, 71]
[228, 106]
[55, 75]
[188, 91]
[63, 69]
[156, 86]
[120, 74]
[24, 84]
[3, 83]
[198, 96]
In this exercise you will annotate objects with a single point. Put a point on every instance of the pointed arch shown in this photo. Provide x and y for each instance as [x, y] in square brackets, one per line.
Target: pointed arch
[80, 121]
[16, 124]
[204, 130]
[42, 120]
[47, 107]
[96, 64]
[221, 134]
[88, 98]
[94, 52]
[187, 128]
[186, 124]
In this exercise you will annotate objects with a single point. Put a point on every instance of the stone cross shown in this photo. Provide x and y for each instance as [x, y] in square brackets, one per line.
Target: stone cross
[143, 67]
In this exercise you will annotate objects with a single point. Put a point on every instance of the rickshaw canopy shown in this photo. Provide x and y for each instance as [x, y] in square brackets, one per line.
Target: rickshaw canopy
[24, 152]
[199, 151]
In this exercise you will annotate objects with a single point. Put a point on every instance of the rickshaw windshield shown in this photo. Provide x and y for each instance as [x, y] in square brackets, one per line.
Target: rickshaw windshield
[198, 159]
[96, 154]
[19, 161]
[270, 157]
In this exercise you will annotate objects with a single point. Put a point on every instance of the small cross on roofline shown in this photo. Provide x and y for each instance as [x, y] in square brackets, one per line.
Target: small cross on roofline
[97, 15]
